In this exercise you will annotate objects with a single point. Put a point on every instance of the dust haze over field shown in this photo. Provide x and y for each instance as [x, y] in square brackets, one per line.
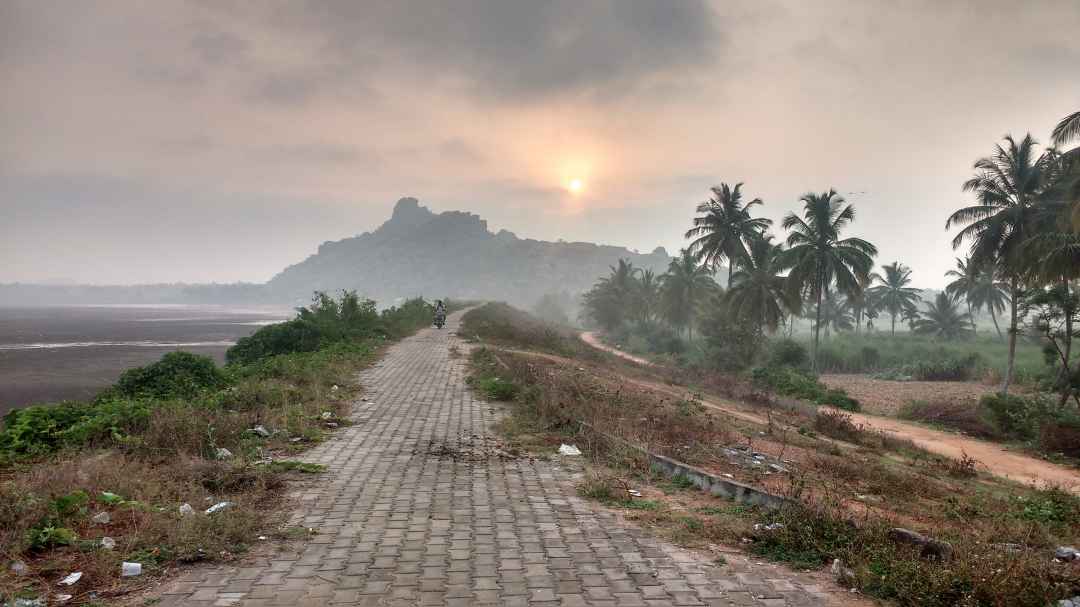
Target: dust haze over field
[206, 141]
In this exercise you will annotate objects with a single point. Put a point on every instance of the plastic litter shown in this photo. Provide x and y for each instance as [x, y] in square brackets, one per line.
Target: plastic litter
[130, 569]
[634, 492]
[769, 527]
[71, 578]
[19, 568]
[108, 543]
[218, 507]
[331, 424]
[327, 415]
[262, 537]
[261, 431]
[28, 603]
[62, 598]
[565, 449]
[223, 453]
[101, 518]
[334, 388]
[186, 509]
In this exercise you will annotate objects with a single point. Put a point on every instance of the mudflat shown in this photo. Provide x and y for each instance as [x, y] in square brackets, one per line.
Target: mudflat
[53, 353]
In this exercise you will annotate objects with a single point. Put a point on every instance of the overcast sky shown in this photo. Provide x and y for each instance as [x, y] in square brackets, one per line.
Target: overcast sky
[217, 141]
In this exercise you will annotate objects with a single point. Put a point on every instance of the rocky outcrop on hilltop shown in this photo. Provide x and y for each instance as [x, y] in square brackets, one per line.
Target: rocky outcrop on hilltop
[418, 252]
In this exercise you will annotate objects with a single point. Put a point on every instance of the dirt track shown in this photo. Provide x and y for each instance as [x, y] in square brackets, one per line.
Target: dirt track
[992, 457]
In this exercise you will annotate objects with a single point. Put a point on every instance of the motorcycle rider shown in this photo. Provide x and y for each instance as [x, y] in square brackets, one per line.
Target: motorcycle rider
[440, 310]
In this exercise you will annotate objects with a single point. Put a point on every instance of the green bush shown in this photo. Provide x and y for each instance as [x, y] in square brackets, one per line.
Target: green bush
[788, 353]
[176, 375]
[801, 384]
[43, 429]
[496, 388]
[1017, 416]
[328, 321]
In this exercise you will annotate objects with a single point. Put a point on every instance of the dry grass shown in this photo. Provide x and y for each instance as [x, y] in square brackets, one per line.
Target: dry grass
[845, 495]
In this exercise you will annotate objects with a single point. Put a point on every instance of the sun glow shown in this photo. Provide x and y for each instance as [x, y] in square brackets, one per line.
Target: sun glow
[576, 185]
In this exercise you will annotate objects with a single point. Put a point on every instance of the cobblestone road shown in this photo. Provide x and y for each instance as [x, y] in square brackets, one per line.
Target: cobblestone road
[411, 512]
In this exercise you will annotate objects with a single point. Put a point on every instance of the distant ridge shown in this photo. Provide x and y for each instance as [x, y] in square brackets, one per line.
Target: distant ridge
[453, 254]
[415, 252]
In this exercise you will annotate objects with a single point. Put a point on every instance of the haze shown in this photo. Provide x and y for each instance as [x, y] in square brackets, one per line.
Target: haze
[222, 141]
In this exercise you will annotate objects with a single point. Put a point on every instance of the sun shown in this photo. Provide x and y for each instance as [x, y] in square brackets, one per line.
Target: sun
[576, 185]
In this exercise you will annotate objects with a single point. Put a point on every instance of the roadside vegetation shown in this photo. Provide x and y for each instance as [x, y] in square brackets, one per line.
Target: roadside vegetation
[1021, 239]
[180, 460]
[978, 540]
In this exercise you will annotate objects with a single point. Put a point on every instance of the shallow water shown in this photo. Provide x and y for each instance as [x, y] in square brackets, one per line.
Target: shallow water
[72, 352]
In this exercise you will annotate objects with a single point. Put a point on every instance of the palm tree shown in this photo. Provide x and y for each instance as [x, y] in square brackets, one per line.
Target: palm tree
[819, 258]
[724, 228]
[836, 314]
[943, 319]
[648, 294]
[686, 284]
[758, 290]
[894, 294]
[965, 278]
[1067, 130]
[1007, 185]
[990, 293]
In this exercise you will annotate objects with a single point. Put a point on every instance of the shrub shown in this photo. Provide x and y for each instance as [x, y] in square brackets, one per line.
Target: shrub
[496, 388]
[176, 375]
[327, 321]
[1017, 416]
[788, 353]
[949, 368]
[966, 417]
[43, 429]
[1061, 436]
[800, 384]
[837, 425]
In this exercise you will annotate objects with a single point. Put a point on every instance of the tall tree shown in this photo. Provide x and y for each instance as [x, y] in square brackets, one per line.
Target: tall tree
[724, 228]
[1067, 130]
[758, 289]
[648, 295]
[893, 294]
[942, 319]
[684, 287]
[1007, 184]
[819, 258]
[964, 279]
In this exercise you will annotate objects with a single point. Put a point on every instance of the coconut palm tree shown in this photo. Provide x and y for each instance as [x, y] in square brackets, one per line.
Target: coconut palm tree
[1006, 185]
[1067, 130]
[893, 294]
[943, 319]
[647, 296]
[724, 228]
[758, 290]
[819, 258]
[683, 288]
[965, 277]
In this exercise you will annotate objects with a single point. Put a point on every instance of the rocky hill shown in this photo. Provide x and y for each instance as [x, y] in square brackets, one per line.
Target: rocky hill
[451, 254]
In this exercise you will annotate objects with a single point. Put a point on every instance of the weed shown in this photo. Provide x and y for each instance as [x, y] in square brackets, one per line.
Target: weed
[290, 465]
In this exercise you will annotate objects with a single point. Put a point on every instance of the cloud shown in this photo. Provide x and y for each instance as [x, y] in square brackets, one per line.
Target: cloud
[509, 50]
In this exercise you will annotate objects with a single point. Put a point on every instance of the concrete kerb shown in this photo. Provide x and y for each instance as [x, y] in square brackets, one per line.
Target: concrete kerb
[722, 487]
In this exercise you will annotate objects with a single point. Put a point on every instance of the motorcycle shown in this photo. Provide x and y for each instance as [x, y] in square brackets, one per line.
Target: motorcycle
[440, 319]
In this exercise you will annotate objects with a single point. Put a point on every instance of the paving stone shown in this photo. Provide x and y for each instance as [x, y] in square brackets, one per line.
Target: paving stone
[409, 514]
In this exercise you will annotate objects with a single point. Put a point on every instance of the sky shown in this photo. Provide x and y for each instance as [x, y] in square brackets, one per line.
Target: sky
[221, 140]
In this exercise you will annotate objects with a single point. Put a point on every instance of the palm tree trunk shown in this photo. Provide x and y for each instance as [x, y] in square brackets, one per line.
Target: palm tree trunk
[893, 324]
[997, 327]
[817, 330]
[1010, 367]
[974, 329]
[1063, 378]
[729, 268]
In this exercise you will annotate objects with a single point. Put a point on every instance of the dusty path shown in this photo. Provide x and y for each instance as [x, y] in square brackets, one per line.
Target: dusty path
[992, 457]
[418, 509]
[590, 338]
